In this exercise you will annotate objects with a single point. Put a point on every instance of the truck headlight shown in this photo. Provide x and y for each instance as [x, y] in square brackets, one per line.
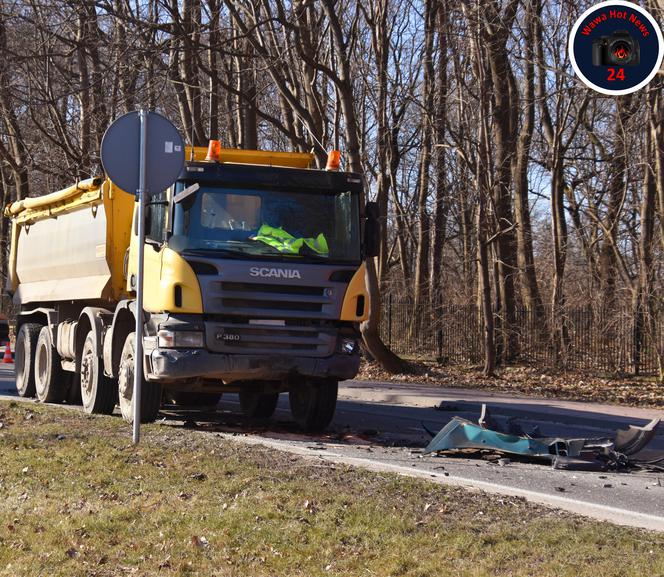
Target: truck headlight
[180, 339]
[347, 346]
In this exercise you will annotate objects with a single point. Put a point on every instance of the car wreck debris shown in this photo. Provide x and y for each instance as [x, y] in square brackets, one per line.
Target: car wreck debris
[591, 454]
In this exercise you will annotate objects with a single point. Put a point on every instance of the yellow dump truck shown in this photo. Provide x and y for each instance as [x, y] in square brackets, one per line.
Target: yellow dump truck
[254, 284]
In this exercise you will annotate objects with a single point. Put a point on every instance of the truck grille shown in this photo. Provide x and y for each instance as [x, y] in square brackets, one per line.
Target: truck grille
[239, 336]
[300, 315]
[277, 300]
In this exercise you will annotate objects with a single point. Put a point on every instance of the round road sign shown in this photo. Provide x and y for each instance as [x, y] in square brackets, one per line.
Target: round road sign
[120, 152]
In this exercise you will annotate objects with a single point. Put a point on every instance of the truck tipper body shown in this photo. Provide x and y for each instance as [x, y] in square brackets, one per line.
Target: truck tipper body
[254, 283]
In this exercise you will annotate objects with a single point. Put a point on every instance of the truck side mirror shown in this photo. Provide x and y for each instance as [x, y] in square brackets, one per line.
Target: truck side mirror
[372, 230]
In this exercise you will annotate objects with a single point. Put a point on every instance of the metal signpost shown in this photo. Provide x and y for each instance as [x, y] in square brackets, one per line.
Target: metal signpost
[141, 152]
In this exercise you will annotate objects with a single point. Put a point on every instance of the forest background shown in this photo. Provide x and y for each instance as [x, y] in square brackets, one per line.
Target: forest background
[523, 213]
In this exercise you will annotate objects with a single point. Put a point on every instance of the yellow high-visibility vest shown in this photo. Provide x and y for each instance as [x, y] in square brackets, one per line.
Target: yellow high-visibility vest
[285, 242]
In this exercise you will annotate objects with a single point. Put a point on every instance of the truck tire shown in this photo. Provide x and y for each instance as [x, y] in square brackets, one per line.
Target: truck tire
[256, 405]
[150, 391]
[312, 404]
[50, 380]
[193, 399]
[99, 394]
[26, 345]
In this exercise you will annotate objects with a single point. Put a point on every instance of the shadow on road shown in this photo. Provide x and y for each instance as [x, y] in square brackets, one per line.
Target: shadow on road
[365, 423]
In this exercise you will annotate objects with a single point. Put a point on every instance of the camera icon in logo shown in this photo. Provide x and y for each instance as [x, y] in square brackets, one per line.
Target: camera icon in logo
[618, 49]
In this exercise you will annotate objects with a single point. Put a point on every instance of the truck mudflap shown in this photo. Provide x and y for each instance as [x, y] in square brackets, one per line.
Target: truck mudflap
[176, 364]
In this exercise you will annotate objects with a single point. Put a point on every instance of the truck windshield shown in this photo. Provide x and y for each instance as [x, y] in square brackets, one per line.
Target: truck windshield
[320, 226]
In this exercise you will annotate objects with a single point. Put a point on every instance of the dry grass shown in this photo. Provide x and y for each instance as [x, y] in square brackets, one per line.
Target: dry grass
[77, 499]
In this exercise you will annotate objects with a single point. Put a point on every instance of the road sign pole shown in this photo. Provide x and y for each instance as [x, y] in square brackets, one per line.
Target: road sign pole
[141, 152]
[138, 350]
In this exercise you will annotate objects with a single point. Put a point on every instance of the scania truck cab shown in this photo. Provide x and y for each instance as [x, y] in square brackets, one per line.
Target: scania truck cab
[254, 284]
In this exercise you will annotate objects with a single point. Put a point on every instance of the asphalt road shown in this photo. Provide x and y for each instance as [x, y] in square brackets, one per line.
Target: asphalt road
[379, 426]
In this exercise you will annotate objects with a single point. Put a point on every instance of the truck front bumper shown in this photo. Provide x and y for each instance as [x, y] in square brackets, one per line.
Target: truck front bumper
[181, 364]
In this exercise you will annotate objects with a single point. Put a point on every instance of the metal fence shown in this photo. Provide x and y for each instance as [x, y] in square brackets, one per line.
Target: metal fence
[599, 341]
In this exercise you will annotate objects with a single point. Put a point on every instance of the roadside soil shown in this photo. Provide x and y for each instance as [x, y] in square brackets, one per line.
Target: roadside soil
[637, 392]
[77, 499]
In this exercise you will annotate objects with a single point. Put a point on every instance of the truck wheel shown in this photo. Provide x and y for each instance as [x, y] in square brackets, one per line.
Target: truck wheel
[193, 399]
[26, 344]
[50, 381]
[258, 405]
[99, 394]
[312, 404]
[150, 391]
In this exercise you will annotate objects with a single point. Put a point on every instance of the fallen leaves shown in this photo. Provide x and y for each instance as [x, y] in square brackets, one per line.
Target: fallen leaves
[199, 541]
[72, 553]
[526, 380]
[310, 507]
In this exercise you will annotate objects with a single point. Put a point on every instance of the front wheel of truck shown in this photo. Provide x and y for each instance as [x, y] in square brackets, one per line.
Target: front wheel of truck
[256, 405]
[26, 345]
[50, 380]
[150, 391]
[312, 403]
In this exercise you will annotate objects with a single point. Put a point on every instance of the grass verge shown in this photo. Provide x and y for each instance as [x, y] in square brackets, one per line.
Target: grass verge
[77, 499]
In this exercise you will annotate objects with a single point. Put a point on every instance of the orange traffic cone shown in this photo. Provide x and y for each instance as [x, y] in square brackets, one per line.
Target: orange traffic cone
[8, 355]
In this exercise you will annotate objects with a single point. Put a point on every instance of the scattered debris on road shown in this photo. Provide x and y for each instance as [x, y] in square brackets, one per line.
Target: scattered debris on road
[592, 454]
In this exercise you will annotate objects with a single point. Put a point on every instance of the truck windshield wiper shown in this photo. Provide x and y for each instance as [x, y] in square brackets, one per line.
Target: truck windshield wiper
[276, 255]
[215, 251]
[313, 257]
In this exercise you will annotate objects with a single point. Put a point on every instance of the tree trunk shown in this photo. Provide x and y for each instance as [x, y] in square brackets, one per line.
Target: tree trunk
[530, 293]
[369, 328]
[485, 289]
[377, 17]
[421, 288]
[559, 239]
[247, 122]
[14, 153]
[496, 31]
[555, 158]
[84, 97]
[214, 39]
[645, 320]
[441, 208]
[617, 191]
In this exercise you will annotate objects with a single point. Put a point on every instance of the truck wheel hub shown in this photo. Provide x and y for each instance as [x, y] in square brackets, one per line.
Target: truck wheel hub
[125, 381]
[86, 373]
[41, 364]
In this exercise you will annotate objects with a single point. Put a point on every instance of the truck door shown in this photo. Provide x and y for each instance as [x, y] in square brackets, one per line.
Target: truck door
[155, 235]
